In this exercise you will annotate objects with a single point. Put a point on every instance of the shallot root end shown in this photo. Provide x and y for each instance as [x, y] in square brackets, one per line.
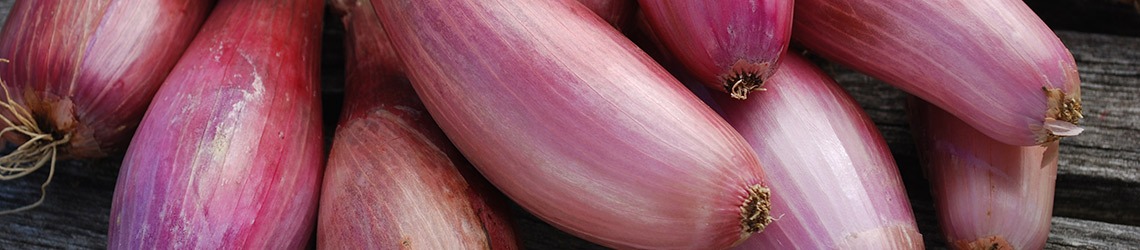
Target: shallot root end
[41, 148]
[755, 212]
[745, 78]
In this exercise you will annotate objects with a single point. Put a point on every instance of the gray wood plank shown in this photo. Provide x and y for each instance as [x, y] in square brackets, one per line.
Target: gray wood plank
[74, 214]
[1100, 179]
[1069, 233]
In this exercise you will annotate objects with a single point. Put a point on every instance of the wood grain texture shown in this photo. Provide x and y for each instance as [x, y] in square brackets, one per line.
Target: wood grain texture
[1098, 186]
[74, 215]
[1101, 173]
[1069, 233]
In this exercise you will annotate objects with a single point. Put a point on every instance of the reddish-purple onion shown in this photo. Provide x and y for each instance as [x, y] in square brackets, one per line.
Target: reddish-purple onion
[839, 187]
[229, 154]
[576, 124]
[730, 45]
[992, 63]
[393, 179]
[78, 75]
[988, 194]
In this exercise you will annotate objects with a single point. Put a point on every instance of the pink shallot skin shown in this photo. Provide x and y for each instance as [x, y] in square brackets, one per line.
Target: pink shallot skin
[229, 154]
[839, 186]
[618, 13]
[992, 63]
[986, 193]
[577, 125]
[89, 68]
[393, 179]
[729, 45]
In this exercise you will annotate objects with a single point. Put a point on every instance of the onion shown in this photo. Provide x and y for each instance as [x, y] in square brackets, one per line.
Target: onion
[393, 179]
[79, 74]
[839, 187]
[577, 125]
[992, 63]
[731, 45]
[229, 154]
[618, 13]
[988, 195]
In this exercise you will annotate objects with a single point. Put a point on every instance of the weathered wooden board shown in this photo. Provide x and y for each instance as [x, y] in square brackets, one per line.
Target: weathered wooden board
[1098, 186]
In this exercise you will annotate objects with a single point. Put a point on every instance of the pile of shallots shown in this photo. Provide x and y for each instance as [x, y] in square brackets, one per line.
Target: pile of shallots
[588, 114]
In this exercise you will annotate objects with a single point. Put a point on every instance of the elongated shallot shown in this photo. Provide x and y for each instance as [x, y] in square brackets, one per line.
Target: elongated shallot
[229, 154]
[393, 179]
[840, 188]
[992, 63]
[988, 194]
[577, 125]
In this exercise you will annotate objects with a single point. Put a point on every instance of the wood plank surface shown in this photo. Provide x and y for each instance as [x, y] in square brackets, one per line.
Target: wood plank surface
[1098, 186]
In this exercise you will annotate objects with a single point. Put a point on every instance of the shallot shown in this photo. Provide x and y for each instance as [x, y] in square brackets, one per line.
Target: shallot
[393, 179]
[992, 63]
[77, 75]
[577, 125]
[988, 194]
[729, 45]
[229, 154]
[839, 187]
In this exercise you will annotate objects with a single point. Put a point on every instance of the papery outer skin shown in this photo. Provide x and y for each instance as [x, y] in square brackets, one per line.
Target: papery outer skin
[839, 187]
[90, 67]
[713, 39]
[985, 61]
[393, 179]
[229, 154]
[644, 39]
[618, 13]
[574, 122]
[983, 187]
